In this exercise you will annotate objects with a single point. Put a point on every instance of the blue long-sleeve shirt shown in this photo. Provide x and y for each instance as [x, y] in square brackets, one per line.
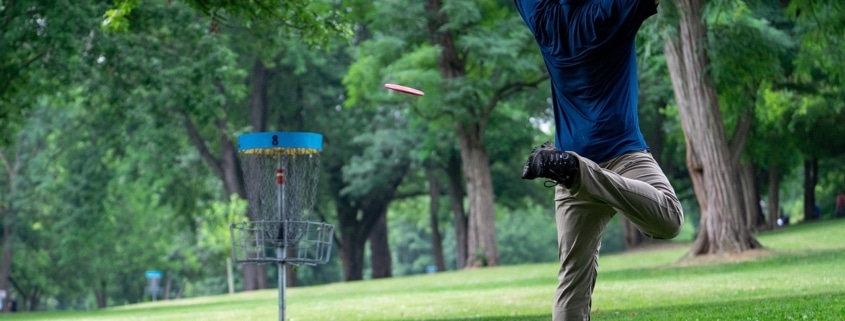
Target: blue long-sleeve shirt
[588, 48]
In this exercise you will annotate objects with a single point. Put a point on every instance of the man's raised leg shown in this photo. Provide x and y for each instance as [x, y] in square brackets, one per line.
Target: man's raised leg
[636, 187]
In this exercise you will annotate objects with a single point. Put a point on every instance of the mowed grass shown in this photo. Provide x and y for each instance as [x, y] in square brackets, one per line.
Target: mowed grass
[801, 276]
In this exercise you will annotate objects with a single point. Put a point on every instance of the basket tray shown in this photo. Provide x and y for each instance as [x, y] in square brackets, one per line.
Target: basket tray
[295, 242]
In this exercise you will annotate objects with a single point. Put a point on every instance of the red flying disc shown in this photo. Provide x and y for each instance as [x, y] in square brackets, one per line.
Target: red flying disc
[404, 90]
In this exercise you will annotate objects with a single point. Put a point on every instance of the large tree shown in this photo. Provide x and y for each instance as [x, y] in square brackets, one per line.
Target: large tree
[712, 158]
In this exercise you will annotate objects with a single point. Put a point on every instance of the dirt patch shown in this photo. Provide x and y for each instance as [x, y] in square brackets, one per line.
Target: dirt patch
[746, 256]
[657, 245]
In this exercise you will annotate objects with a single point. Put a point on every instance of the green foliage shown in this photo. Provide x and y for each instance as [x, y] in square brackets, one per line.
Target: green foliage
[115, 19]
[315, 21]
[820, 24]
[385, 154]
[528, 236]
[38, 38]
[800, 109]
[746, 52]
[411, 248]
[104, 193]
[367, 75]
[410, 235]
[499, 91]
[213, 242]
[490, 50]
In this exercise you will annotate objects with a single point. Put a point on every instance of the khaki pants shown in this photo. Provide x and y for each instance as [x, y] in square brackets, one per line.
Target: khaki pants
[633, 185]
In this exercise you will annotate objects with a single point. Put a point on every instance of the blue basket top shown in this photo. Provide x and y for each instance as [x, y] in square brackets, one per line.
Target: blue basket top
[280, 140]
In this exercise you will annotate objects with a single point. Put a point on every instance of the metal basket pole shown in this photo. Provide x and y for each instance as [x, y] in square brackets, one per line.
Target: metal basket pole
[280, 226]
[281, 250]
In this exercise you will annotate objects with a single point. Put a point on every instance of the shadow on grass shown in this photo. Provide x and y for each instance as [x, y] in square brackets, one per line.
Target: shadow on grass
[819, 307]
[774, 261]
[539, 317]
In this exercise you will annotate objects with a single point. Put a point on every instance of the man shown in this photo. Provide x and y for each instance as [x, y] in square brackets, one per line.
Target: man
[839, 210]
[600, 163]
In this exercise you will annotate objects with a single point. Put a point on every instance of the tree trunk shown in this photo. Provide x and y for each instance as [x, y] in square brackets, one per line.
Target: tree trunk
[7, 218]
[254, 275]
[355, 232]
[33, 299]
[709, 160]
[101, 295]
[773, 207]
[358, 217]
[750, 196]
[381, 262]
[481, 238]
[658, 136]
[482, 249]
[291, 279]
[632, 235]
[459, 217]
[258, 103]
[352, 242]
[811, 178]
[6, 263]
[227, 166]
[168, 282]
[434, 211]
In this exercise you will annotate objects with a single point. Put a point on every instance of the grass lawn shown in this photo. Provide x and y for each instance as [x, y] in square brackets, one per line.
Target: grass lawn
[801, 276]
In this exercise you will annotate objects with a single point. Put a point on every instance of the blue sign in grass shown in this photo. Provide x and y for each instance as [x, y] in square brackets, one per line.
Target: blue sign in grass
[153, 274]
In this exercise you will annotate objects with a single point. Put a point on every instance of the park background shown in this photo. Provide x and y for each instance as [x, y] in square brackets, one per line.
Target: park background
[119, 120]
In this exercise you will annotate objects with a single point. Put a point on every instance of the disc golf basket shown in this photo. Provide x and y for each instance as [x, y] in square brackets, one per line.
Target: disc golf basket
[281, 170]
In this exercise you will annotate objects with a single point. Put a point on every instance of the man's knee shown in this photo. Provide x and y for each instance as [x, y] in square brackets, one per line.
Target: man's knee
[668, 229]
[664, 234]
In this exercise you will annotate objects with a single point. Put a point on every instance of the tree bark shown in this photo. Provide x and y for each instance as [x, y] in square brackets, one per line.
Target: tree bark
[657, 136]
[632, 235]
[34, 299]
[481, 237]
[434, 210]
[459, 216]
[8, 217]
[291, 279]
[773, 207]
[750, 196]
[101, 295]
[381, 261]
[254, 275]
[356, 231]
[6, 263]
[258, 103]
[811, 178]
[709, 159]
[168, 282]
[352, 241]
